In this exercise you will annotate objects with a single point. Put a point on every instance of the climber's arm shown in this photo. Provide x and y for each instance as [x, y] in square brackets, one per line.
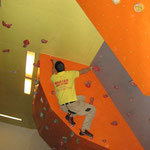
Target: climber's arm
[53, 66]
[85, 70]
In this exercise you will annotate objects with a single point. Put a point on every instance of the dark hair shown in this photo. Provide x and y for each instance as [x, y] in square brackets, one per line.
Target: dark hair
[59, 66]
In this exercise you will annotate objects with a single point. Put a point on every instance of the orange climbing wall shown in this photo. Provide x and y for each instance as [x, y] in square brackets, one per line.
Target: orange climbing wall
[126, 32]
[113, 137]
[53, 130]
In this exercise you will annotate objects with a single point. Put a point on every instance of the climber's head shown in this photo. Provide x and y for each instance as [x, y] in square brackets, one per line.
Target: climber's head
[59, 66]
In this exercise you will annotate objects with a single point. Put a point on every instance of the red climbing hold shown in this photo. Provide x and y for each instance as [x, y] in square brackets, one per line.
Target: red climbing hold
[91, 100]
[128, 114]
[114, 123]
[44, 41]
[105, 96]
[88, 84]
[6, 50]
[130, 99]
[26, 43]
[116, 87]
[104, 140]
[96, 68]
[53, 92]
[36, 64]
[132, 83]
[61, 142]
[6, 25]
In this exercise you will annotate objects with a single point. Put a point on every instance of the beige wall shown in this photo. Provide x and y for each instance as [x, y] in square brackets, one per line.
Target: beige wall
[18, 138]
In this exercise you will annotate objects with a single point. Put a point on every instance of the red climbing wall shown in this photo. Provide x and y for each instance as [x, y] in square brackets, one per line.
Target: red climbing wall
[108, 124]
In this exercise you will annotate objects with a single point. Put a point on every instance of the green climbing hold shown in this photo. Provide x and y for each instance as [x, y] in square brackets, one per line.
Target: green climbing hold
[77, 140]
[41, 115]
[46, 127]
[55, 121]
[44, 108]
[72, 134]
[65, 139]
[36, 82]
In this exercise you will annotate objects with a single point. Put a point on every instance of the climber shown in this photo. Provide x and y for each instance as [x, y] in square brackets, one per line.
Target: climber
[64, 84]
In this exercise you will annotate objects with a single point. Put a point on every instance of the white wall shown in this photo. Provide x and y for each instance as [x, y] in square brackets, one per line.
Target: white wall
[19, 138]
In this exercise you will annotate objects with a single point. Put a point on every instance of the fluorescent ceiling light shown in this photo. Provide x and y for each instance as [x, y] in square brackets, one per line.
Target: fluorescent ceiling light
[6, 116]
[27, 86]
[29, 64]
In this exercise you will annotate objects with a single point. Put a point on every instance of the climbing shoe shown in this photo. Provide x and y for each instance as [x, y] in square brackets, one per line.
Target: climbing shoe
[70, 119]
[86, 132]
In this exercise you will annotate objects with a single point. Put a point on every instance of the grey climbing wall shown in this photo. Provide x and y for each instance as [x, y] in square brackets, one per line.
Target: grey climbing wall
[129, 100]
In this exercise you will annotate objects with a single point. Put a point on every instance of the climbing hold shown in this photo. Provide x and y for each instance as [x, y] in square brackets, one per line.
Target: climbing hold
[114, 123]
[26, 43]
[55, 121]
[35, 93]
[91, 100]
[53, 92]
[41, 115]
[138, 7]
[44, 108]
[128, 114]
[72, 134]
[105, 96]
[41, 99]
[77, 140]
[6, 50]
[130, 99]
[14, 71]
[61, 142]
[6, 25]
[104, 140]
[88, 84]
[96, 68]
[132, 83]
[65, 139]
[46, 127]
[116, 2]
[44, 41]
[36, 64]
[36, 82]
[116, 87]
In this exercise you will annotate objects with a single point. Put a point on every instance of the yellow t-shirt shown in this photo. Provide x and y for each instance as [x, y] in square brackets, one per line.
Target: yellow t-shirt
[64, 85]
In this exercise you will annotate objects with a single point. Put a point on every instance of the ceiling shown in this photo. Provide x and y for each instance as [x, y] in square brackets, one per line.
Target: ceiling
[69, 33]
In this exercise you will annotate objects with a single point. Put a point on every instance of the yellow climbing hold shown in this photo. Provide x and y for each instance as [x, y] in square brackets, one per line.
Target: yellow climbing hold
[139, 7]
[116, 2]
